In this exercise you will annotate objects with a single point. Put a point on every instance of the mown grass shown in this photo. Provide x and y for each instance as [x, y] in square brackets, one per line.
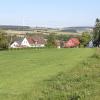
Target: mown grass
[43, 74]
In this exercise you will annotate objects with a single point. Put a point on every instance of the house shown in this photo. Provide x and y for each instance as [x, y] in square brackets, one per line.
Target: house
[73, 42]
[39, 41]
[28, 42]
[17, 43]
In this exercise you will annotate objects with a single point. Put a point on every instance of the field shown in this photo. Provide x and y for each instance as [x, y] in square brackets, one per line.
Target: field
[42, 31]
[46, 74]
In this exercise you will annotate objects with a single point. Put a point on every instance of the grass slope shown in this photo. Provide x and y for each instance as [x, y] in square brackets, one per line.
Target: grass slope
[81, 83]
[22, 72]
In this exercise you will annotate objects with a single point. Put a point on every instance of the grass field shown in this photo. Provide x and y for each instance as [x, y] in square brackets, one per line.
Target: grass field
[29, 74]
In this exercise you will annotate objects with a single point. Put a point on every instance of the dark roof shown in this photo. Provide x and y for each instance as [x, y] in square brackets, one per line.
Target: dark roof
[19, 40]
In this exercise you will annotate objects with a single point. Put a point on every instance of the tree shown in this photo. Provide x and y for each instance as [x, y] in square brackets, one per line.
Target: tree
[51, 40]
[96, 33]
[3, 40]
[63, 37]
[85, 38]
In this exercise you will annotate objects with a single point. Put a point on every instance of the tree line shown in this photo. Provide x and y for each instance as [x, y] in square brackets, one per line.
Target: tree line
[3, 40]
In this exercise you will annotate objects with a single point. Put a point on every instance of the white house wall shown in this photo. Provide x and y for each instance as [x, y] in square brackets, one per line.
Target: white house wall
[40, 45]
[25, 43]
[14, 45]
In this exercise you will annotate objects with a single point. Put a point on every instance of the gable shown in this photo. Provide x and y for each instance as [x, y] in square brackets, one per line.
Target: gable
[25, 42]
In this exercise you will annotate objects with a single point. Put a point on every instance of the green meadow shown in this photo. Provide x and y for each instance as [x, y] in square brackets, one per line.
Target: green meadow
[49, 74]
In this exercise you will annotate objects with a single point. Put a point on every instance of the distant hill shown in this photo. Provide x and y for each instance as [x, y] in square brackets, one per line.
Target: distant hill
[46, 29]
[23, 28]
[77, 29]
[18, 28]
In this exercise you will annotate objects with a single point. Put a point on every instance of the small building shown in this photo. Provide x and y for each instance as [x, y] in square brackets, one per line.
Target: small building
[90, 45]
[39, 41]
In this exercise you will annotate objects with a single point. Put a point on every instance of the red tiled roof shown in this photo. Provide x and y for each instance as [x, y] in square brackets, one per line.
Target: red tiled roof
[39, 40]
[30, 40]
[73, 42]
[36, 39]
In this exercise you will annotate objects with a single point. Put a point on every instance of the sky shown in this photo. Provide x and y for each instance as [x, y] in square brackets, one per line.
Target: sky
[49, 13]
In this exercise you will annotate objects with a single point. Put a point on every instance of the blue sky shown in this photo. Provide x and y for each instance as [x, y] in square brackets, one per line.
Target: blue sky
[49, 13]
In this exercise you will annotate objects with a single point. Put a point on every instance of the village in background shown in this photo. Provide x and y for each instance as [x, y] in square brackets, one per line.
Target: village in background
[40, 37]
[23, 36]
